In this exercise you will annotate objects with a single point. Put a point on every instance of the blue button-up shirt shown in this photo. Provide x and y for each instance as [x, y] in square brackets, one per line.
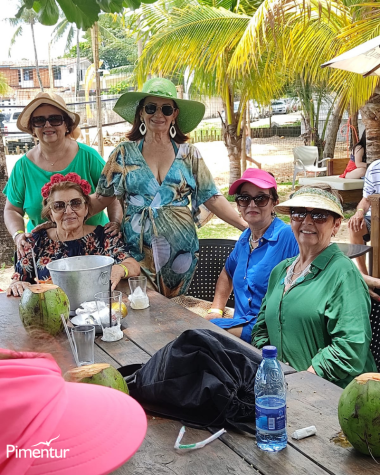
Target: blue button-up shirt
[250, 272]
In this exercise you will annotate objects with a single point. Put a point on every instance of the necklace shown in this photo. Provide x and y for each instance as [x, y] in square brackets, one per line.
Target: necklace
[252, 242]
[290, 274]
[49, 162]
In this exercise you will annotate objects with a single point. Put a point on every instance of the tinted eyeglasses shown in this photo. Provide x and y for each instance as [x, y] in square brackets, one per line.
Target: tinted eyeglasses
[260, 200]
[60, 206]
[54, 120]
[152, 108]
[319, 216]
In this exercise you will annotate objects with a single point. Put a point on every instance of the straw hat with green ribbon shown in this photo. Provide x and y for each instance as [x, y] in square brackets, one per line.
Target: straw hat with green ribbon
[309, 197]
[190, 112]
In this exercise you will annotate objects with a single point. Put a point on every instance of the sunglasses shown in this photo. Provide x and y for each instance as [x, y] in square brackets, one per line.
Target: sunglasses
[54, 120]
[317, 215]
[260, 200]
[60, 206]
[152, 108]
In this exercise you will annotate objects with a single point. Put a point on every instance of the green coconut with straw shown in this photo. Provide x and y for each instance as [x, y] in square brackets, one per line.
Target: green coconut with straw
[102, 374]
[41, 307]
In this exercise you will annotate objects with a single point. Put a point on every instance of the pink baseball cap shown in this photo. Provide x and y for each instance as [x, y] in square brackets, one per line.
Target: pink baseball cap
[78, 428]
[257, 177]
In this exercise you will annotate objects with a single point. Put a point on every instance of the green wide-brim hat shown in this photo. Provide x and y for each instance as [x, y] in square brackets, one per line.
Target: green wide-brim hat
[190, 112]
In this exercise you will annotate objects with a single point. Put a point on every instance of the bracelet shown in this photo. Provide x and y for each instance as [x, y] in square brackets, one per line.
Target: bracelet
[360, 209]
[126, 272]
[20, 231]
[215, 310]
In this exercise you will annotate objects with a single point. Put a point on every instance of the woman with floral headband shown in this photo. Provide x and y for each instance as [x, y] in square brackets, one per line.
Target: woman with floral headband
[66, 203]
[316, 310]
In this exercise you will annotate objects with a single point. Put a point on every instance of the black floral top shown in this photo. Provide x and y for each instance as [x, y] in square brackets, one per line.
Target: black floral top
[47, 250]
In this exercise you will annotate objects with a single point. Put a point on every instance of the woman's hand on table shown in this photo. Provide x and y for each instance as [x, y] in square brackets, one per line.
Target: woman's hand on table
[117, 273]
[17, 288]
[113, 229]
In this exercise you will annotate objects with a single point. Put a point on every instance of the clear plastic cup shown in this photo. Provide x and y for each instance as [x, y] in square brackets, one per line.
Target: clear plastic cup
[84, 337]
[105, 301]
[138, 297]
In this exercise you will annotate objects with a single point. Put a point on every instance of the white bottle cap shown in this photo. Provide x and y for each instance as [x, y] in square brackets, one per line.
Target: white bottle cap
[305, 432]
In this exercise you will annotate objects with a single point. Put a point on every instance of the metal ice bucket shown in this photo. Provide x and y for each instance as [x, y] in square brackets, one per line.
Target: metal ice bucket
[81, 277]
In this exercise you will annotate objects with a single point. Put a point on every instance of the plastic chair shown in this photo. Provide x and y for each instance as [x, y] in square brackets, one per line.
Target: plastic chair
[306, 160]
[212, 257]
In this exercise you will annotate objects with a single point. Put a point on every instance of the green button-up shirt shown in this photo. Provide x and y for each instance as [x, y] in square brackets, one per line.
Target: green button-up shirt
[321, 321]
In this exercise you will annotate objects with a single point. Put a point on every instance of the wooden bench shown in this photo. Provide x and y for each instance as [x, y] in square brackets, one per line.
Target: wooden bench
[351, 189]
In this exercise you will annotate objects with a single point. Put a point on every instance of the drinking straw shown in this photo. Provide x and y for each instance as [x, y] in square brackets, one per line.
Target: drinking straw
[71, 340]
[35, 267]
[110, 302]
[196, 445]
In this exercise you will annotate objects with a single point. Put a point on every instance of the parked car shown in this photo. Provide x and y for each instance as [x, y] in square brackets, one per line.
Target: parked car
[253, 111]
[10, 125]
[279, 107]
[3, 118]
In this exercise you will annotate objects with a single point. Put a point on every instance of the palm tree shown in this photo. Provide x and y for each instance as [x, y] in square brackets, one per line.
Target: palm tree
[254, 50]
[25, 17]
[65, 27]
[7, 245]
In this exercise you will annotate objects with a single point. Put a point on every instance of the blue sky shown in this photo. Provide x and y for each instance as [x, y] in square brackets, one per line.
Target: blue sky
[23, 48]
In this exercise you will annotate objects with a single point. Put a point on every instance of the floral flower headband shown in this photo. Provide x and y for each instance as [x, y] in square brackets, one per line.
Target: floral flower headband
[58, 178]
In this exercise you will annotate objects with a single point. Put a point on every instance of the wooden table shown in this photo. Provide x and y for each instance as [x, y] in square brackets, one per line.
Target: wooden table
[310, 400]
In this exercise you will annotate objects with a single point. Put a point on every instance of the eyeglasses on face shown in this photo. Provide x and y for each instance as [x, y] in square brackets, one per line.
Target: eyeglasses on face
[319, 216]
[60, 206]
[260, 200]
[54, 120]
[152, 108]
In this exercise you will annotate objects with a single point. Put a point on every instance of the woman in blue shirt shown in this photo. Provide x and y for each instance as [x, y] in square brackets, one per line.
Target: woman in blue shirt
[260, 248]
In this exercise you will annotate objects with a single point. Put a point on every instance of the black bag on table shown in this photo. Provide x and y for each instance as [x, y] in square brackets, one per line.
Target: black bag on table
[203, 378]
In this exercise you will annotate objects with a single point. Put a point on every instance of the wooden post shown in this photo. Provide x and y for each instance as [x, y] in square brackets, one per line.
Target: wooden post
[375, 233]
[95, 50]
[86, 134]
[51, 75]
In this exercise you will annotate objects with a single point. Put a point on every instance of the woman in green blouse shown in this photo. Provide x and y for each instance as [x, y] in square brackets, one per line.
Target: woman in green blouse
[316, 310]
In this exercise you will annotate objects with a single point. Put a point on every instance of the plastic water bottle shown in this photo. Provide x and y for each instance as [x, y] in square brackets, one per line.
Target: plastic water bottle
[270, 396]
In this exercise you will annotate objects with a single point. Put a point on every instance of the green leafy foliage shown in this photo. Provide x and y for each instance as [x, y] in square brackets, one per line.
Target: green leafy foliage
[84, 13]
[120, 87]
[116, 48]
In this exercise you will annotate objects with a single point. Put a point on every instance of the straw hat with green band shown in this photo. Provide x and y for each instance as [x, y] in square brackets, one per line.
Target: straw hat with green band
[190, 112]
[308, 197]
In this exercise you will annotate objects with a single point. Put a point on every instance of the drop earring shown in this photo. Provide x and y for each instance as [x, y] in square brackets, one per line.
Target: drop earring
[142, 127]
[172, 130]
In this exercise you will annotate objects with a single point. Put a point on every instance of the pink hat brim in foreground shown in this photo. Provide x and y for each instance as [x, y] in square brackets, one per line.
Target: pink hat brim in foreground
[257, 177]
[101, 427]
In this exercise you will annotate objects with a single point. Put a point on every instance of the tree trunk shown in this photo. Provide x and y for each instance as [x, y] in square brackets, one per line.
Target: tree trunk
[99, 123]
[371, 119]
[233, 144]
[332, 131]
[354, 137]
[36, 58]
[7, 245]
[78, 67]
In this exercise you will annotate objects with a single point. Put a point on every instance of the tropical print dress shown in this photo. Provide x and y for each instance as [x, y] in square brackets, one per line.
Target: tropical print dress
[47, 250]
[158, 222]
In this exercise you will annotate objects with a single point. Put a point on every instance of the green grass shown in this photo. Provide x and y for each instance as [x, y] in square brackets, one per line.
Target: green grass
[218, 231]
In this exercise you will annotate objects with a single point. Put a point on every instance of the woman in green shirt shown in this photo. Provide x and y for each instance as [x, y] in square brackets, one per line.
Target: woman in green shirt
[47, 118]
[316, 310]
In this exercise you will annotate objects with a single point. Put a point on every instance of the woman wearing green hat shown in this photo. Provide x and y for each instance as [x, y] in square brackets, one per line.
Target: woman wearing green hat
[156, 175]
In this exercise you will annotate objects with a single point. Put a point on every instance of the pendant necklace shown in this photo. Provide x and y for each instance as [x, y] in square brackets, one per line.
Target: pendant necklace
[49, 162]
[290, 274]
